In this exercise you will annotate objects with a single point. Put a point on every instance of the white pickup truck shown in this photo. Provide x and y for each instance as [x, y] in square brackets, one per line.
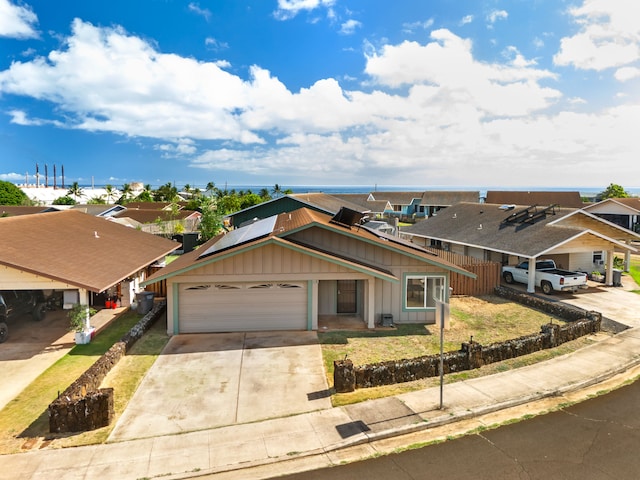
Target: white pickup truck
[548, 277]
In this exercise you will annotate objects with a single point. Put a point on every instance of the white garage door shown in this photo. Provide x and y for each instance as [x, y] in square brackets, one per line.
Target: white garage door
[233, 307]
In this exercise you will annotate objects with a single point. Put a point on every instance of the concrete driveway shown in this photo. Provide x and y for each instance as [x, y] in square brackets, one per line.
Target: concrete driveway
[205, 381]
[30, 349]
[615, 303]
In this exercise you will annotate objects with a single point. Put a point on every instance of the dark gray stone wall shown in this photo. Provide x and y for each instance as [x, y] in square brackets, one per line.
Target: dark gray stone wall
[471, 355]
[83, 405]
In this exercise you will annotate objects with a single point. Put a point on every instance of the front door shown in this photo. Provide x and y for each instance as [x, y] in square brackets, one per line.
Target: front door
[347, 290]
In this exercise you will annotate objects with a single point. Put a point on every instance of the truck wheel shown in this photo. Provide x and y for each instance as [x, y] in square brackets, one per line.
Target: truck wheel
[508, 277]
[547, 288]
[4, 332]
[39, 311]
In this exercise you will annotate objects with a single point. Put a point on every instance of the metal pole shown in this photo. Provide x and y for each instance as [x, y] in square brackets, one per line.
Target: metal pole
[441, 354]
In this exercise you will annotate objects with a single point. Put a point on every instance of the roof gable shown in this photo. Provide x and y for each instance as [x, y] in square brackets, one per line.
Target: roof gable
[488, 226]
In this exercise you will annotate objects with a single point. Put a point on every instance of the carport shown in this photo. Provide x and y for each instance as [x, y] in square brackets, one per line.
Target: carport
[76, 254]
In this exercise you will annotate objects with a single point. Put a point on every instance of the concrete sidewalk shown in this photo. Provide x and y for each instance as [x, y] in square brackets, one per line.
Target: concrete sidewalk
[326, 437]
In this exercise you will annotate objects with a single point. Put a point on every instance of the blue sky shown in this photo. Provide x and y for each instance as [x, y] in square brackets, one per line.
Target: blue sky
[444, 93]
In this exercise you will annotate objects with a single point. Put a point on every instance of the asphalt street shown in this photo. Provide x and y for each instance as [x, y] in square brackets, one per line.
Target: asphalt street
[596, 439]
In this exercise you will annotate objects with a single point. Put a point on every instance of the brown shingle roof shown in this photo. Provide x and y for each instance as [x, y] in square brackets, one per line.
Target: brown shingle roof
[13, 210]
[632, 202]
[329, 203]
[79, 249]
[448, 198]
[150, 216]
[563, 199]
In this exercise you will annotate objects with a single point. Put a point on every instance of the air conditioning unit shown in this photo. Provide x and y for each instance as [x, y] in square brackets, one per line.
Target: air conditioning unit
[599, 262]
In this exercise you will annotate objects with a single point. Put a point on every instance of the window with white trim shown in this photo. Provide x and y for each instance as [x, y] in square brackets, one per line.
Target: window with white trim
[422, 291]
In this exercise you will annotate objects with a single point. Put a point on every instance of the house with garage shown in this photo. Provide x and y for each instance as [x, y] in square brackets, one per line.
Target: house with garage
[82, 256]
[575, 239]
[287, 271]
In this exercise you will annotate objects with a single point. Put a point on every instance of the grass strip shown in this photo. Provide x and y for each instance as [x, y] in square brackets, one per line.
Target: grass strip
[26, 415]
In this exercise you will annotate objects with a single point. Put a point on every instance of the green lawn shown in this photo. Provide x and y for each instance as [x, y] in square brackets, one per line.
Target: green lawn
[488, 319]
[634, 270]
[25, 417]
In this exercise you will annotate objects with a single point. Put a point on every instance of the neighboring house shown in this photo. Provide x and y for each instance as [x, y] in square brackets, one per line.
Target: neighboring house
[433, 201]
[574, 238]
[81, 255]
[365, 202]
[621, 211]
[156, 205]
[160, 222]
[99, 210]
[320, 202]
[409, 204]
[402, 204]
[285, 271]
[561, 199]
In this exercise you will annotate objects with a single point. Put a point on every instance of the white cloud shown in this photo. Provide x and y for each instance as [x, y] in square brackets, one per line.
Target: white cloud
[180, 147]
[448, 64]
[349, 27]
[290, 8]
[107, 80]
[625, 74]
[429, 112]
[203, 12]
[516, 58]
[609, 35]
[12, 177]
[17, 21]
[496, 15]
[420, 25]
[466, 19]
[215, 44]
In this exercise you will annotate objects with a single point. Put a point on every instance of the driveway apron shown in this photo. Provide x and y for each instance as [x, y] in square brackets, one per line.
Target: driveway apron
[203, 381]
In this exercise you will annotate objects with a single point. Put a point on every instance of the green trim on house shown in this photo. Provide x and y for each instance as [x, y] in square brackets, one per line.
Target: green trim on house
[176, 308]
[422, 274]
[389, 247]
[309, 305]
[337, 261]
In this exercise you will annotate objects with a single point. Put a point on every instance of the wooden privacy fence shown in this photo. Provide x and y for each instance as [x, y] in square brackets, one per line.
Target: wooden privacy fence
[488, 274]
[159, 288]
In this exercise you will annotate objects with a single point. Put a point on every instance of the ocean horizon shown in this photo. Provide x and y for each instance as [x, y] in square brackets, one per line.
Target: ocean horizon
[335, 189]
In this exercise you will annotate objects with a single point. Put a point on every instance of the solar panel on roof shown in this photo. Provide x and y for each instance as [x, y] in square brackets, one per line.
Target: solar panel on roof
[256, 230]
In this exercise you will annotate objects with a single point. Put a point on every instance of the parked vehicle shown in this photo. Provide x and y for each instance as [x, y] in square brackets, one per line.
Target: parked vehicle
[14, 303]
[548, 277]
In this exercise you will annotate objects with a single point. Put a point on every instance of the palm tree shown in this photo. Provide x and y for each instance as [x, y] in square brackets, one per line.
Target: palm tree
[110, 192]
[276, 191]
[264, 193]
[126, 193]
[75, 190]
